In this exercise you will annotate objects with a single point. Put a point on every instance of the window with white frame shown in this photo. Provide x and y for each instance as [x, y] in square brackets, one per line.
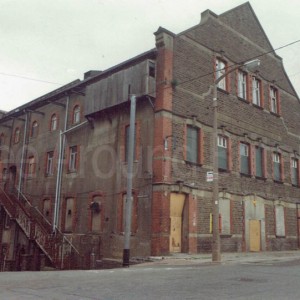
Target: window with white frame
[220, 71]
[274, 99]
[53, 122]
[277, 166]
[31, 166]
[49, 164]
[222, 152]
[17, 136]
[34, 129]
[76, 114]
[73, 158]
[280, 222]
[244, 158]
[242, 84]
[256, 86]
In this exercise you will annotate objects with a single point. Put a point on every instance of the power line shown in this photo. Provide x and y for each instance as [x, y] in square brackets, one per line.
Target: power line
[240, 63]
[28, 78]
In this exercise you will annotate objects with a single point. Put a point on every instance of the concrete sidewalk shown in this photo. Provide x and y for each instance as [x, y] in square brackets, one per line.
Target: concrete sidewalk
[227, 258]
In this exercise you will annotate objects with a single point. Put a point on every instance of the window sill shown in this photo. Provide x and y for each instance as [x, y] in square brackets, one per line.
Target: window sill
[225, 235]
[275, 114]
[295, 185]
[49, 175]
[246, 175]
[278, 181]
[131, 233]
[193, 163]
[223, 170]
[260, 178]
[222, 91]
[258, 106]
[280, 236]
[71, 171]
[243, 100]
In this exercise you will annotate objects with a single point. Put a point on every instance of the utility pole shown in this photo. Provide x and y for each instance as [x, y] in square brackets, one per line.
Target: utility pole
[128, 210]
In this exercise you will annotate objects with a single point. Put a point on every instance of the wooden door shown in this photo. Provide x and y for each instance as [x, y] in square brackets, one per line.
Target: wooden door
[176, 208]
[255, 238]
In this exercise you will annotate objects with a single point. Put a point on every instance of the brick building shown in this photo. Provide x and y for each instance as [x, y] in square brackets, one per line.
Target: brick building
[64, 155]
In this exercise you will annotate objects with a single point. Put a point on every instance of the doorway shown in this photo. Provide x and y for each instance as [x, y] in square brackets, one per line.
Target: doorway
[255, 236]
[176, 210]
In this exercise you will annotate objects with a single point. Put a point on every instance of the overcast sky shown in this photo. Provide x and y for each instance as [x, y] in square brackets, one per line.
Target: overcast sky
[55, 42]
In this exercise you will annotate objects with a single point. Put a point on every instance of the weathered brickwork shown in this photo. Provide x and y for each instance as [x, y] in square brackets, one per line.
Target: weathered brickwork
[172, 153]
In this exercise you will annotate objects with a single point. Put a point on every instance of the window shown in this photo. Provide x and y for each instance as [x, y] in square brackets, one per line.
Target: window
[244, 158]
[53, 123]
[259, 161]
[31, 166]
[34, 129]
[192, 144]
[280, 224]
[256, 90]
[222, 152]
[76, 114]
[277, 166]
[274, 100]
[151, 65]
[294, 171]
[127, 131]
[49, 163]
[122, 214]
[220, 71]
[17, 135]
[73, 158]
[242, 84]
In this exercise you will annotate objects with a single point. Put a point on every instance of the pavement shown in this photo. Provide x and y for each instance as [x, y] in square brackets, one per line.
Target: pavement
[177, 259]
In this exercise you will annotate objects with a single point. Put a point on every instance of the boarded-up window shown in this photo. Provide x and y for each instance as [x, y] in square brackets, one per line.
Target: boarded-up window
[280, 224]
[96, 209]
[224, 211]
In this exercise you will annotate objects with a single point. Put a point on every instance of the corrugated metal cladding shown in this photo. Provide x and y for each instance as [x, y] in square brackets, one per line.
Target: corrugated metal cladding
[114, 89]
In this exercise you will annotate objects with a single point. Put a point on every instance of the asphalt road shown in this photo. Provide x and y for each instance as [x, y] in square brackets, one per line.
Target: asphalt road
[251, 280]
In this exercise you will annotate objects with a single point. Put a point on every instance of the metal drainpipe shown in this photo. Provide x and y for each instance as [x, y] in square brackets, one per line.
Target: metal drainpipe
[126, 251]
[60, 169]
[22, 156]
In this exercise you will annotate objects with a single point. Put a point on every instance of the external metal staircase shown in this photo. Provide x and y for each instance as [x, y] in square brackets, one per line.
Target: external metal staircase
[55, 245]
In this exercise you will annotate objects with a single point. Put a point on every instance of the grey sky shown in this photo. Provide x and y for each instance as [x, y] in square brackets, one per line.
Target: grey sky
[57, 41]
